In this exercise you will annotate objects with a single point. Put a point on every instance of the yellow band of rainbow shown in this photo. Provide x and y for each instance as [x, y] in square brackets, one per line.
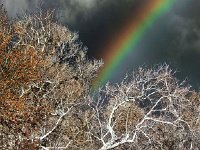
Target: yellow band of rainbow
[129, 37]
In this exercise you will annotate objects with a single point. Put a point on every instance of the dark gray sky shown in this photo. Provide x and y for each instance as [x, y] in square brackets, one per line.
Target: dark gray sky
[174, 39]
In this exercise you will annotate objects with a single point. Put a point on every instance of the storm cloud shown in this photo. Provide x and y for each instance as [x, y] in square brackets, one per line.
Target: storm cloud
[72, 11]
[184, 51]
[15, 7]
[175, 37]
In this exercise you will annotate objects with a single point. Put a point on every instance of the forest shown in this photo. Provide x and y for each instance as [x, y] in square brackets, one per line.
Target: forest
[47, 100]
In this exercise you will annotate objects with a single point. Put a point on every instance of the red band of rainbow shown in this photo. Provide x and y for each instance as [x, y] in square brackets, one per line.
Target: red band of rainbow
[129, 36]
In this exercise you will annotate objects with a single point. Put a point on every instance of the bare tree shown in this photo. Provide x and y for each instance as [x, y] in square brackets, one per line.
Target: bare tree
[46, 102]
[52, 77]
[147, 111]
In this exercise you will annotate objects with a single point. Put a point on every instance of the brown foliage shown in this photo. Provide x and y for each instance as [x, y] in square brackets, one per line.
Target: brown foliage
[45, 99]
[4, 23]
[44, 74]
[18, 69]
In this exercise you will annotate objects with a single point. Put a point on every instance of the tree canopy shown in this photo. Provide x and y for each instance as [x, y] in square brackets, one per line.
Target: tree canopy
[46, 101]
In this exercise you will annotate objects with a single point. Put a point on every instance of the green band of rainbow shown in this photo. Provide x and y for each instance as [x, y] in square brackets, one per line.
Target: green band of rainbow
[129, 37]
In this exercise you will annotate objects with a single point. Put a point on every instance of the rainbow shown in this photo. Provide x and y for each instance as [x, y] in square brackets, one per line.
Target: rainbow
[129, 36]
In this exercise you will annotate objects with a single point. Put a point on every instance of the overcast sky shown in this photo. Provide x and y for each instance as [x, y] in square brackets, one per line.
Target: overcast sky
[174, 39]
